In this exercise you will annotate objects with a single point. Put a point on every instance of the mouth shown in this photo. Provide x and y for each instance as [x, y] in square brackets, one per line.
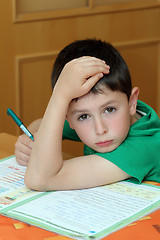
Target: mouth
[104, 144]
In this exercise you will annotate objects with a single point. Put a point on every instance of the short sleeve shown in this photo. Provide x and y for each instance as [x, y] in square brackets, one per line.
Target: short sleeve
[134, 157]
[69, 133]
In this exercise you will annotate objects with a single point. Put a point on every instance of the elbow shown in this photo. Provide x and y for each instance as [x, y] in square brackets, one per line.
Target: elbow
[38, 180]
[34, 183]
[30, 182]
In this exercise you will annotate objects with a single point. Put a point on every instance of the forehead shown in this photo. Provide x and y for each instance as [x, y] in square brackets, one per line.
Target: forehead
[97, 100]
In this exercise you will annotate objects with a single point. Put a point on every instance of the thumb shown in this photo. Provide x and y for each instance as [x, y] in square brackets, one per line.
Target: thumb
[90, 82]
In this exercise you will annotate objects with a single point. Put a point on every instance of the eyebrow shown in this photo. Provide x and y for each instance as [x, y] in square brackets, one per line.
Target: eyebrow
[79, 111]
[86, 110]
[109, 103]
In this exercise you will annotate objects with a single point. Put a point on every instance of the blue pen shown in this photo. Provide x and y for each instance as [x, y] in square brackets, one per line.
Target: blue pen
[19, 123]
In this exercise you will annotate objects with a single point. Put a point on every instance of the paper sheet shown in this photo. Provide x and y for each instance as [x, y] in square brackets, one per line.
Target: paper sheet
[90, 211]
[80, 214]
[12, 187]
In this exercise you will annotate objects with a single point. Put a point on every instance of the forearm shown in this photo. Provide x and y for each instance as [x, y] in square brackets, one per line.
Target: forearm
[46, 157]
[46, 167]
[34, 126]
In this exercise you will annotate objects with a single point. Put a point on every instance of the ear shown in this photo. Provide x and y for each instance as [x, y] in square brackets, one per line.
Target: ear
[133, 100]
[69, 122]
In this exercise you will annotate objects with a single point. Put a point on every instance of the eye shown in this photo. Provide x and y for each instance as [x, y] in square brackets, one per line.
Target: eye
[83, 117]
[110, 110]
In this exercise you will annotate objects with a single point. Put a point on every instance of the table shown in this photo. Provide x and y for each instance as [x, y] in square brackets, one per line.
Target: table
[147, 228]
[7, 142]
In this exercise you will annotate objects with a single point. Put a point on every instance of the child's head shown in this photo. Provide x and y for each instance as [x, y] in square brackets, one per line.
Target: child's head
[118, 78]
[102, 117]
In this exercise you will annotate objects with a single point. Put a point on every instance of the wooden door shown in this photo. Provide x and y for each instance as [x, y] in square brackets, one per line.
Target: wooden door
[33, 32]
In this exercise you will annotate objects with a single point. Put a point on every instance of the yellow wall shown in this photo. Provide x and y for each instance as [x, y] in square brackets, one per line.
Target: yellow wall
[30, 42]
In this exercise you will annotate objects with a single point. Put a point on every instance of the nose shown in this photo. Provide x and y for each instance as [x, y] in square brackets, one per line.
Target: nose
[100, 126]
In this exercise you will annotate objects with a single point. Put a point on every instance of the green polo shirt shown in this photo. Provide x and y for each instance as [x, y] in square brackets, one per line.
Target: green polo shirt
[139, 154]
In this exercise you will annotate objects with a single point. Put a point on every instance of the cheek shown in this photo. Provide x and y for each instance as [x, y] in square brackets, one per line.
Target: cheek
[84, 132]
[121, 130]
[121, 125]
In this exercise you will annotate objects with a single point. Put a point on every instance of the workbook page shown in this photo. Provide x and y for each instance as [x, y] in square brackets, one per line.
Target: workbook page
[90, 212]
[12, 187]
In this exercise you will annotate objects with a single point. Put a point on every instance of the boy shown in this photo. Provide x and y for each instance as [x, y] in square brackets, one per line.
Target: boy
[92, 90]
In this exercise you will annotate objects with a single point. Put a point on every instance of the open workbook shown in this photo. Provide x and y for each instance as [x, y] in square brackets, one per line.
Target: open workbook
[79, 214]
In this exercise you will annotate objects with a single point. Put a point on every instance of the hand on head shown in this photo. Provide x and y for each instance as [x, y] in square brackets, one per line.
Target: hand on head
[79, 76]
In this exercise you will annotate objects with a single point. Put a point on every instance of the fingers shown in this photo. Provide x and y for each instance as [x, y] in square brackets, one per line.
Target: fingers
[95, 68]
[22, 158]
[23, 149]
[93, 65]
[86, 71]
[89, 59]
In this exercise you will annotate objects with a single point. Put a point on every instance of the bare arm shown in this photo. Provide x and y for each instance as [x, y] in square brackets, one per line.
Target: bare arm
[46, 169]
[34, 126]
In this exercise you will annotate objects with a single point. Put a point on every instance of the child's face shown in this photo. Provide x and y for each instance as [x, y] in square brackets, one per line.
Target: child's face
[101, 120]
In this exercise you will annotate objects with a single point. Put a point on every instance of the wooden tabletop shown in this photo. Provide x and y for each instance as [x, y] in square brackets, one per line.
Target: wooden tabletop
[7, 143]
